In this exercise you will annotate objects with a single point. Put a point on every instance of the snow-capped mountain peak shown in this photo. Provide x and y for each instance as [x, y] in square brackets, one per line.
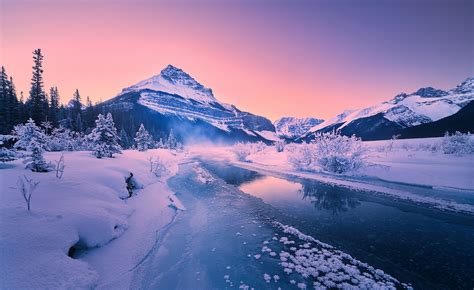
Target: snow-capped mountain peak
[175, 81]
[404, 110]
[430, 92]
[293, 127]
[465, 87]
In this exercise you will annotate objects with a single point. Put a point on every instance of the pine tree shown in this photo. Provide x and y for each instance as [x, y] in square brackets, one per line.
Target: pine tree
[32, 138]
[54, 106]
[13, 106]
[171, 142]
[4, 88]
[37, 103]
[76, 112]
[36, 162]
[143, 139]
[125, 141]
[104, 137]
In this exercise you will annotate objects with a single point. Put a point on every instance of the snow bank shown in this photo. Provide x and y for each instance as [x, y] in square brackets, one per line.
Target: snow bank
[83, 210]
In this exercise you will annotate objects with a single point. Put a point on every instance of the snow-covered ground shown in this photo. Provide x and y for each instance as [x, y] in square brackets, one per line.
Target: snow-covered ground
[86, 208]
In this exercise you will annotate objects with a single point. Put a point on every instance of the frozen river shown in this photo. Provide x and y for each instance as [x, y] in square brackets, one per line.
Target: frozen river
[235, 232]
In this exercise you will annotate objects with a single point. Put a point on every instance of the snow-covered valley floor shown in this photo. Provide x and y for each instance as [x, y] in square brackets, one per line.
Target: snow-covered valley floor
[192, 228]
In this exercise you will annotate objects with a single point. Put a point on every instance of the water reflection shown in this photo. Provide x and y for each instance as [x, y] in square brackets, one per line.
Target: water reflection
[330, 198]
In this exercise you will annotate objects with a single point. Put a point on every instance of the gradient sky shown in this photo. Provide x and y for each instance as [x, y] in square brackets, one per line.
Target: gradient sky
[273, 58]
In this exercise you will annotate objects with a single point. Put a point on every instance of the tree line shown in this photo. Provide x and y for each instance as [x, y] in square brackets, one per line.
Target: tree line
[46, 110]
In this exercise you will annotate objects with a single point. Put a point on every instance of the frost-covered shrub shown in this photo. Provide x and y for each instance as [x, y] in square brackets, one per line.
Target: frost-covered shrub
[241, 151]
[63, 139]
[6, 154]
[259, 146]
[280, 145]
[157, 166]
[329, 151]
[457, 144]
[302, 156]
[338, 153]
[60, 166]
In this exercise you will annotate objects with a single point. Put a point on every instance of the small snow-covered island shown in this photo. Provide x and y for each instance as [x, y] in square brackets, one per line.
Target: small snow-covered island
[270, 180]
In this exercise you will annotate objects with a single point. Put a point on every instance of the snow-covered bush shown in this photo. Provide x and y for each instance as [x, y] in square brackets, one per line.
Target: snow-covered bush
[338, 153]
[329, 151]
[35, 162]
[143, 139]
[6, 154]
[302, 156]
[63, 139]
[26, 186]
[258, 147]
[280, 145]
[26, 133]
[241, 151]
[457, 143]
[104, 137]
[157, 166]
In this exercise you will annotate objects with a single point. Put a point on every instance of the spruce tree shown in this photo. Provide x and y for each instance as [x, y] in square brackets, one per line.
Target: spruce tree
[104, 137]
[143, 139]
[76, 112]
[54, 106]
[171, 142]
[4, 88]
[37, 102]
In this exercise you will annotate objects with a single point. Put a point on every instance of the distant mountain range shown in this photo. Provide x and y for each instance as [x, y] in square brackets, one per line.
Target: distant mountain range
[383, 120]
[173, 99]
[290, 127]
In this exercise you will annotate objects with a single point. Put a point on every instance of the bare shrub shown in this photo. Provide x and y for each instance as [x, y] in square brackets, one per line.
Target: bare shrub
[26, 186]
[60, 165]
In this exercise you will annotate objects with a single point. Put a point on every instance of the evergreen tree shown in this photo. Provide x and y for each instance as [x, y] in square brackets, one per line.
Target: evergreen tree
[13, 106]
[171, 142]
[54, 106]
[6, 154]
[125, 141]
[104, 137]
[143, 139]
[36, 162]
[37, 103]
[4, 88]
[79, 123]
[26, 133]
[76, 112]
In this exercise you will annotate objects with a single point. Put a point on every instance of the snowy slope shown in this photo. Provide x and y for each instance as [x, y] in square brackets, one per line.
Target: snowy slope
[293, 127]
[407, 110]
[173, 80]
[175, 94]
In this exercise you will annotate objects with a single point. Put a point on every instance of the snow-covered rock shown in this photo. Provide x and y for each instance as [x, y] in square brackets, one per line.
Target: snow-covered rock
[294, 127]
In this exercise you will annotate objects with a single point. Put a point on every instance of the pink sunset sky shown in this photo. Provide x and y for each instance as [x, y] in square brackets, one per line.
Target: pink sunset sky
[272, 58]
